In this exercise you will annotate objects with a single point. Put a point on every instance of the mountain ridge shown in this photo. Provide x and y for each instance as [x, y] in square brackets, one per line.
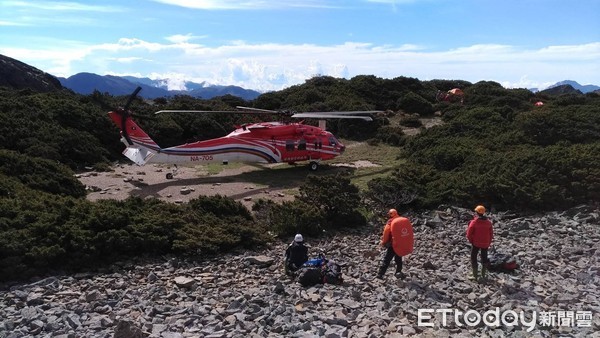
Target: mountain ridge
[12, 70]
[11, 75]
[86, 83]
[159, 87]
[582, 88]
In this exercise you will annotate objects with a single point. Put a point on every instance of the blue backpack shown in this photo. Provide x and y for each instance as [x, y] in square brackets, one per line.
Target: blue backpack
[315, 262]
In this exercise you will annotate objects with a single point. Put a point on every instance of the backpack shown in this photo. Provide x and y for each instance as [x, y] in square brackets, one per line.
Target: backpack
[500, 262]
[308, 276]
[332, 273]
[314, 263]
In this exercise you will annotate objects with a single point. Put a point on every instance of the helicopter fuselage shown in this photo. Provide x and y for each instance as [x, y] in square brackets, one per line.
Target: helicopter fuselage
[266, 142]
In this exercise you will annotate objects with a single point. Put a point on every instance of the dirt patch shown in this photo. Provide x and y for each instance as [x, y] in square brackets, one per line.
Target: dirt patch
[357, 164]
[427, 123]
[239, 183]
[188, 183]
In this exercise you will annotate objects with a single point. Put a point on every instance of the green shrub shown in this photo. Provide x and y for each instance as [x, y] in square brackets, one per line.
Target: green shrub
[569, 100]
[219, 206]
[40, 232]
[414, 103]
[411, 121]
[295, 217]
[335, 195]
[408, 185]
[391, 135]
[579, 124]
[40, 174]
[323, 203]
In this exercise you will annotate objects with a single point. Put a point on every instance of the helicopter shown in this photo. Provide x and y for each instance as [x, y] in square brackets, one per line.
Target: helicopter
[262, 142]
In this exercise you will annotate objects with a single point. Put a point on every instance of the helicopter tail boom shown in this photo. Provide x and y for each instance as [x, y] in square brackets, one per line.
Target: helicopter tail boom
[140, 147]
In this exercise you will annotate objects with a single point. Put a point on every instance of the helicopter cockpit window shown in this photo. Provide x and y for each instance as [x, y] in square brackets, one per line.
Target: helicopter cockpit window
[332, 141]
[289, 145]
[302, 145]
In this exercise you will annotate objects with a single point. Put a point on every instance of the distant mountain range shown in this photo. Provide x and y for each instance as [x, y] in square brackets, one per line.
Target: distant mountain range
[582, 88]
[86, 83]
[18, 75]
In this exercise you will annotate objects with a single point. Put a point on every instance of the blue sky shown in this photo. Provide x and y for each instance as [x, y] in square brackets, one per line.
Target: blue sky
[270, 45]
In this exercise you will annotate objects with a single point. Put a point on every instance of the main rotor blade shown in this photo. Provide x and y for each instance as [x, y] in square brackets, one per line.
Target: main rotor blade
[354, 112]
[331, 116]
[197, 111]
[257, 110]
[249, 110]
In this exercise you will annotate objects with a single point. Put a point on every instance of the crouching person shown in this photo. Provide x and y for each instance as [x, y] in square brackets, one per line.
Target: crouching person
[296, 254]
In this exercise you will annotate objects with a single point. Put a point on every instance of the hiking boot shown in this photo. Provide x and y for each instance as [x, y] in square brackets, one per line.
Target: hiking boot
[400, 275]
[483, 273]
[473, 275]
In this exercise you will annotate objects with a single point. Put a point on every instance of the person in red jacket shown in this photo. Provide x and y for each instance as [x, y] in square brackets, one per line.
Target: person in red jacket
[398, 239]
[480, 234]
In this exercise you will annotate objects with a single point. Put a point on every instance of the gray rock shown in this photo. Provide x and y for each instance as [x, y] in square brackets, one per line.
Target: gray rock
[152, 277]
[184, 282]
[261, 260]
[126, 329]
[247, 295]
[93, 296]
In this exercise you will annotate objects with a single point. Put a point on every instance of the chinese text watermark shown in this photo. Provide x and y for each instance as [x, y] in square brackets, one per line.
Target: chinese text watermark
[496, 318]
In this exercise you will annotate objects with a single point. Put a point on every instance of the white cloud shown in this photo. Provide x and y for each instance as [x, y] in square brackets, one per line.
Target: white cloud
[246, 5]
[128, 59]
[276, 66]
[61, 6]
[392, 2]
[11, 23]
[179, 38]
[52, 14]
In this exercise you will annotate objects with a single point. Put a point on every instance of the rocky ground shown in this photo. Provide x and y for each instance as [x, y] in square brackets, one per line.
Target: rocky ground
[246, 295]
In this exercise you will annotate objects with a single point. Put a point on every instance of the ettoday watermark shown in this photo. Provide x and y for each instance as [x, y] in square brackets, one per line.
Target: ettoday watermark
[496, 318]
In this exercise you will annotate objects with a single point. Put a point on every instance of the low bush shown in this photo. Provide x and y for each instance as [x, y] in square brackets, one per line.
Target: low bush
[40, 232]
[414, 103]
[323, 203]
[40, 174]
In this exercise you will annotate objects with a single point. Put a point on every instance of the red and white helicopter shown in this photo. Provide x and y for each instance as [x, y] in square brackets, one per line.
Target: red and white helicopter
[264, 142]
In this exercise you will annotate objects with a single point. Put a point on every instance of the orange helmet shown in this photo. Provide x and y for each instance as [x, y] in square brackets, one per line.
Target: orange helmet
[480, 209]
[392, 213]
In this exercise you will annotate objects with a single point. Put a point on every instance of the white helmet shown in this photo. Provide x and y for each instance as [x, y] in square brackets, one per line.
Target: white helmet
[298, 238]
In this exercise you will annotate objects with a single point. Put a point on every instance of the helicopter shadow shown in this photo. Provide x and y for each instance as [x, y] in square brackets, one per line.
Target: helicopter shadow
[266, 178]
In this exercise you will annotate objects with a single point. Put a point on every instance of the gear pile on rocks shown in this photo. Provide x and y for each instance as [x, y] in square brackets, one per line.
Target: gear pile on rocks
[247, 294]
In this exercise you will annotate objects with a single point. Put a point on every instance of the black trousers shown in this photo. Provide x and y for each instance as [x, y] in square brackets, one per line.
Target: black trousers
[484, 256]
[387, 259]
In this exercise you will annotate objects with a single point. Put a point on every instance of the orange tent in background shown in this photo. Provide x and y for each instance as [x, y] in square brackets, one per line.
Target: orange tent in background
[456, 91]
[453, 95]
[539, 103]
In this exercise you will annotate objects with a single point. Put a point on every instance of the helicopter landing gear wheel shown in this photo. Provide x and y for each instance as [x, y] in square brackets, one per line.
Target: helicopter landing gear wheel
[313, 166]
[173, 173]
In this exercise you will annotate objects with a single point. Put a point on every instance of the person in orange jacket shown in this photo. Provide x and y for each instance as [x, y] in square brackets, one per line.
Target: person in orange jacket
[398, 239]
[480, 234]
